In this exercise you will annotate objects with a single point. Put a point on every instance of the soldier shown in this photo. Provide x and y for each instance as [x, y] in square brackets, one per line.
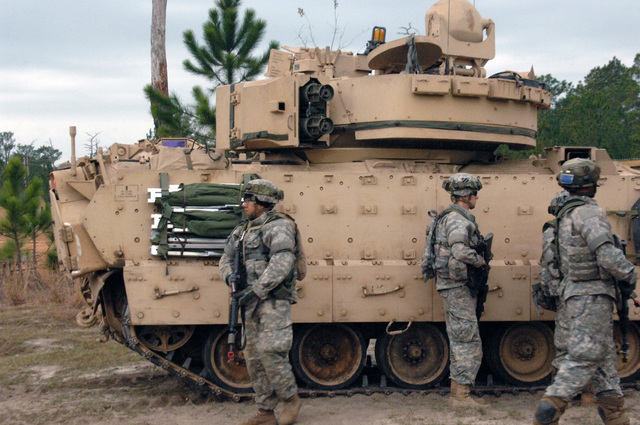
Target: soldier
[268, 243]
[588, 263]
[456, 236]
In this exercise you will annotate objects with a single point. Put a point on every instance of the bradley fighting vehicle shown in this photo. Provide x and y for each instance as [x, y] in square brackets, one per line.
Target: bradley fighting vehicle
[360, 144]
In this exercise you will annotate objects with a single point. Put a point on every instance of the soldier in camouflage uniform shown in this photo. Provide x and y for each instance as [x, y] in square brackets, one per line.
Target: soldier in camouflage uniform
[456, 236]
[589, 261]
[269, 247]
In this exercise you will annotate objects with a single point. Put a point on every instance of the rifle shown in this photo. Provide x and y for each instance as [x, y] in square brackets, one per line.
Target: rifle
[479, 276]
[624, 293]
[238, 283]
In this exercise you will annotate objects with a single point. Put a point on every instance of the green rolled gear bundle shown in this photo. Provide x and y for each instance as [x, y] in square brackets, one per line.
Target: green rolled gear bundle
[202, 194]
[204, 210]
[208, 224]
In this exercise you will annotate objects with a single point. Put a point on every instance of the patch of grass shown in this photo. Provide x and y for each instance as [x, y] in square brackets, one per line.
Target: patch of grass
[46, 335]
[404, 417]
[516, 414]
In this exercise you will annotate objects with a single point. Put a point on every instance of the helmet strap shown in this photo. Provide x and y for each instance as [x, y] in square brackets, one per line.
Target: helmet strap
[259, 210]
[463, 201]
[589, 191]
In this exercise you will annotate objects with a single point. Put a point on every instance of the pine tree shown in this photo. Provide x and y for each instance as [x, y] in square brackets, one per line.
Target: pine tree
[20, 202]
[225, 57]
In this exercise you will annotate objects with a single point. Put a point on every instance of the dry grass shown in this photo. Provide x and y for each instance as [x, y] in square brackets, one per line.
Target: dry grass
[38, 286]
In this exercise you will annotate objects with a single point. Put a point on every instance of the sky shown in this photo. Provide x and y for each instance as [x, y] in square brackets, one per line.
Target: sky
[84, 63]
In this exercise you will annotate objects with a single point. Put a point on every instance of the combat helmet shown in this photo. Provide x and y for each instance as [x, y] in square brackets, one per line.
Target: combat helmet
[462, 184]
[558, 200]
[578, 173]
[263, 190]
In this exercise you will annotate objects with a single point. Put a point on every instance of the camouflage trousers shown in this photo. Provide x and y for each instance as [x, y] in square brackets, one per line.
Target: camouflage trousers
[464, 334]
[561, 333]
[269, 337]
[590, 353]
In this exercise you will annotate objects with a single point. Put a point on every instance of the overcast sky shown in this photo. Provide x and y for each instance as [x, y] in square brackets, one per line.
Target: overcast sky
[85, 62]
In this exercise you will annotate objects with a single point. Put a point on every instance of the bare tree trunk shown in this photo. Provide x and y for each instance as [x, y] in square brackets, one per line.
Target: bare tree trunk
[159, 77]
[16, 240]
[34, 237]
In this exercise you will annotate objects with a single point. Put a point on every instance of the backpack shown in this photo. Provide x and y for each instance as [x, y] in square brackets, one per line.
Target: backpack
[429, 257]
[564, 209]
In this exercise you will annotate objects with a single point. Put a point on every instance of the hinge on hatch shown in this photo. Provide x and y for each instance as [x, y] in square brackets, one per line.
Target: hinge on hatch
[71, 263]
[66, 233]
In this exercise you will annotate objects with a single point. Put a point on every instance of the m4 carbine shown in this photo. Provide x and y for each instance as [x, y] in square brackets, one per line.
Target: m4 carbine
[624, 293]
[479, 276]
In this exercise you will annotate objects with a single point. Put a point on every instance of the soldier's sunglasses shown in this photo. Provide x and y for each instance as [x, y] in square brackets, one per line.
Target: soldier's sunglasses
[249, 198]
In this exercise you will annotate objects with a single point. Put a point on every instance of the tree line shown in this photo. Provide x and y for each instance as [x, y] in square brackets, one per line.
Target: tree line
[26, 213]
[601, 111]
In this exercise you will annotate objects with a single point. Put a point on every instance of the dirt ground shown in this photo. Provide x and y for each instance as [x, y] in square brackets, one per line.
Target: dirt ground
[54, 372]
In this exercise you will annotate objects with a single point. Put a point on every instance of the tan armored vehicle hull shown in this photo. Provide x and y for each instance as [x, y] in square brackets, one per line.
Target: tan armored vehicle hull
[360, 151]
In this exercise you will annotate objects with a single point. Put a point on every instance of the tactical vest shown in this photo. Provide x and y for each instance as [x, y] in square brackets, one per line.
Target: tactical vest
[287, 288]
[442, 262]
[580, 262]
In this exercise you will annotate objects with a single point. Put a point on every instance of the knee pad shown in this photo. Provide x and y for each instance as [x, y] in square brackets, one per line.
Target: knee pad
[550, 409]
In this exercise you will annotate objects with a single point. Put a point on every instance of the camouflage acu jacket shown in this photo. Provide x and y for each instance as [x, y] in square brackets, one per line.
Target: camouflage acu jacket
[588, 256]
[456, 235]
[269, 253]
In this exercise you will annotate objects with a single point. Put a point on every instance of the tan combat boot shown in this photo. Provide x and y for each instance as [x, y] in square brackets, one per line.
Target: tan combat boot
[263, 417]
[290, 411]
[460, 396]
[611, 410]
[549, 410]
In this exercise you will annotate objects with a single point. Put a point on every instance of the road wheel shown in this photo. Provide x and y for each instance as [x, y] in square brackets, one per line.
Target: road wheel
[630, 370]
[328, 356]
[521, 353]
[416, 359]
[230, 375]
[164, 338]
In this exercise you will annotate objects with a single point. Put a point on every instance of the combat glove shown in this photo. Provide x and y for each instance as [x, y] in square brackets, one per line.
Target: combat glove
[245, 296]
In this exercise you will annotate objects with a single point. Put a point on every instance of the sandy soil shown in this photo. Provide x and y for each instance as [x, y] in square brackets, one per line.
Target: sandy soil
[49, 375]
[147, 396]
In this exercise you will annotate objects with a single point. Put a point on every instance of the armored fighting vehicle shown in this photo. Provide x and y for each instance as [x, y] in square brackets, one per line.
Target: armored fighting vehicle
[360, 144]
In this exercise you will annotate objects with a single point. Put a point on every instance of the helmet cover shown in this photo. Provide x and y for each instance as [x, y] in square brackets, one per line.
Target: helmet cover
[579, 172]
[263, 190]
[462, 184]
